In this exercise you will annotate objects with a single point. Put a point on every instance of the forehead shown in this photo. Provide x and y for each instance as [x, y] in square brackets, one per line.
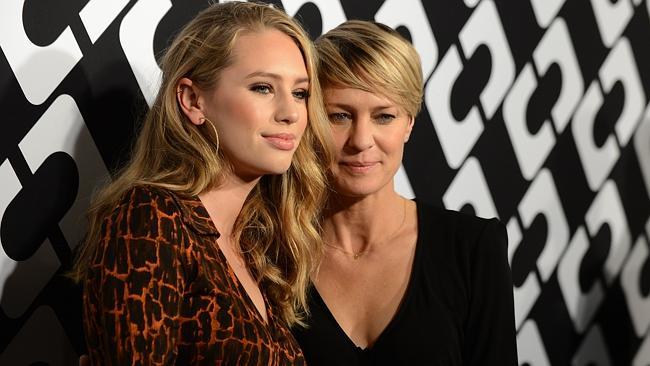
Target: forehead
[354, 97]
[268, 50]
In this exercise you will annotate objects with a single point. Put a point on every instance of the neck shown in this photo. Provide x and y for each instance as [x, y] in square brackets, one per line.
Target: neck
[224, 203]
[355, 225]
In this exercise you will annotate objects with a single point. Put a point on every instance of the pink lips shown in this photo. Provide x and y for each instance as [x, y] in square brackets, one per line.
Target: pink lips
[281, 141]
[358, 167]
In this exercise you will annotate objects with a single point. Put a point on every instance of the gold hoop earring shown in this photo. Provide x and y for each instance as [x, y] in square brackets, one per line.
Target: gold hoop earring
[214, 129]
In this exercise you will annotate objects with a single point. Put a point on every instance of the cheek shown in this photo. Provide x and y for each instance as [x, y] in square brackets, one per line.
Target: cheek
[398, 142]
[339, 136]
[393, 145]
[304, 119]
[238, 111]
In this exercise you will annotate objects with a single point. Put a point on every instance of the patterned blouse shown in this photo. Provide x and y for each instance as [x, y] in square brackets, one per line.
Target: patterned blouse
[145, 301]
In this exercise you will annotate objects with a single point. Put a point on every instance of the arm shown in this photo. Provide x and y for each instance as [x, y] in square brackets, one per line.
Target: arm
[133, 291]
[490, 328]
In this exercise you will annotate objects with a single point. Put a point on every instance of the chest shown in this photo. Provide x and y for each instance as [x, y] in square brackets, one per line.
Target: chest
[364, 295]
[364, 288]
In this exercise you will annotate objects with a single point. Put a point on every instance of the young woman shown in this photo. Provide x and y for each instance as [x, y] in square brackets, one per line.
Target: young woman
[201, 249]
[400, 283]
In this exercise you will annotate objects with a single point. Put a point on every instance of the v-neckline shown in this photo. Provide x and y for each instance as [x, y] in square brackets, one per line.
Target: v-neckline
[400, 308]
[231, 271]
[242, 291]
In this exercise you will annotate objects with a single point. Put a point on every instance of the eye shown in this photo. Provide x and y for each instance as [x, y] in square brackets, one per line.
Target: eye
[384, 118]
[261, 88]
[301, 94]
[339, 117]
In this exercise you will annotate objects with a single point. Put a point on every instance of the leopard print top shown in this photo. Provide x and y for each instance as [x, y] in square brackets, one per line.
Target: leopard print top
[146, 302]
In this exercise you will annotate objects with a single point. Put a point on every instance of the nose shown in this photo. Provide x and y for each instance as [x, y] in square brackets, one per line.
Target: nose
[361, 135]
[288, 109]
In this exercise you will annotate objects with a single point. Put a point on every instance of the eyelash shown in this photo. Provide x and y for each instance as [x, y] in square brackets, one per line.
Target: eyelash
[385, 118]
[258, 88]
[300, 94]
[341, 117]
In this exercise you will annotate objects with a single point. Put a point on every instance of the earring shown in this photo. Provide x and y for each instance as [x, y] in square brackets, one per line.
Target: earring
[214, 129]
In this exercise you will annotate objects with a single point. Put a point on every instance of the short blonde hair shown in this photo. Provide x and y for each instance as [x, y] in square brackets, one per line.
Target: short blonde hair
[372, 57]
[278, 227]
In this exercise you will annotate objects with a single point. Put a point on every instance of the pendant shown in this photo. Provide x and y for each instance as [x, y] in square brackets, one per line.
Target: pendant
[357, 255]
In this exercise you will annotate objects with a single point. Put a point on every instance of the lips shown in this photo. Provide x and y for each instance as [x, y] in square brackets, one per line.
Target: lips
[281, 141]
[358, 167]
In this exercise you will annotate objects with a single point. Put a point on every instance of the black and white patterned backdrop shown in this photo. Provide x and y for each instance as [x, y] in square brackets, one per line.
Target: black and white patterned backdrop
[535, 111]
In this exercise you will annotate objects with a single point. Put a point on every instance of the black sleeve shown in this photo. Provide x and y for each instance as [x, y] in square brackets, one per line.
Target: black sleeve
[490, 327]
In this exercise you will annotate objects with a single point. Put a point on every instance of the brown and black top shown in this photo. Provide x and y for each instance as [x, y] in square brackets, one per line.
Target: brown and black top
[147, 303]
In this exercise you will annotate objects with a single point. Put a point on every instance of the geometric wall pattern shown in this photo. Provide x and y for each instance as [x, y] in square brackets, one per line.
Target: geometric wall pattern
[535, 111]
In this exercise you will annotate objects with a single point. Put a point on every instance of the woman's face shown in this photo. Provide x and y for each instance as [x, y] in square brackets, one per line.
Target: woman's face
[369, 133]
[259, 104]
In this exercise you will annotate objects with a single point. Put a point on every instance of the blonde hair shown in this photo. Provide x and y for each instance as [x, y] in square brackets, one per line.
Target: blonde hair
[372, 57]
[277, 229]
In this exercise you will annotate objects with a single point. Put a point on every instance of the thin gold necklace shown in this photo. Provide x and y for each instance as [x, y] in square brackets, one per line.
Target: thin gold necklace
[357, 255]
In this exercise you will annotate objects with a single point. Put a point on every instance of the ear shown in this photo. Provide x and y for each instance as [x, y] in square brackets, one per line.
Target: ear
[409, 128]
[190, 100]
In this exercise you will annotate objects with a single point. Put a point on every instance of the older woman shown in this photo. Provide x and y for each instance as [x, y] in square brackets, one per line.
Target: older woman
[400, 283]
[201, 249]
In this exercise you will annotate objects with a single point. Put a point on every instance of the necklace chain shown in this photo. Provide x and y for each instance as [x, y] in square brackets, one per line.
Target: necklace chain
[357, 255]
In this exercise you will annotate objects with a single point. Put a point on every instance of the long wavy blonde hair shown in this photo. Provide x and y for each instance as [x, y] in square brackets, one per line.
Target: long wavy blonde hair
[277, 229]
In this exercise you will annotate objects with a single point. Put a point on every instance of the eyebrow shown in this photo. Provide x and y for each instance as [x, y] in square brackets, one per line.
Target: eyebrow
[350, 106]
[274, 76]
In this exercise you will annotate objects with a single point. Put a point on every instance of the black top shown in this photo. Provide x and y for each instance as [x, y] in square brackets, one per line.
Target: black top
[457, 309]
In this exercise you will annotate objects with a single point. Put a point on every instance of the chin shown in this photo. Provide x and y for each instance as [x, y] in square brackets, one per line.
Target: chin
[360, 186]
[358, 191]
[277, 169]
